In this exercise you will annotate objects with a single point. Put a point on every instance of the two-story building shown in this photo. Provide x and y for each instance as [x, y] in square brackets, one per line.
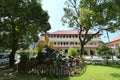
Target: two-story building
[64, 39]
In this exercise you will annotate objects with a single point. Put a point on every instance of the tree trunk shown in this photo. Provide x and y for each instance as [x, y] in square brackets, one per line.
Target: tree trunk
[12, 54]
[106, 59]
[112, 58]
[109, 41]
[81, 52]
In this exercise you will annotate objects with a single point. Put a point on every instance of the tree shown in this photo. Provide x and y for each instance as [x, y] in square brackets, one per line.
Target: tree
[90, 15]
[20, 23]
[105, 52]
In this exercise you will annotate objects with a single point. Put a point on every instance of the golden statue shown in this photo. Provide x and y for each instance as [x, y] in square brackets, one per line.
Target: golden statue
[51, 45]
[46, 39]
[42, 43]
[40, 46]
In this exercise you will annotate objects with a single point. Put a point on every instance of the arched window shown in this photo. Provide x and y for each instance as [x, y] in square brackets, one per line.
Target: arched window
[54, 43]
[85, 53]
[91, 52]
[66, 51]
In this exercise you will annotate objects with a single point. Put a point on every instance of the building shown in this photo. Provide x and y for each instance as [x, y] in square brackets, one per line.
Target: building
[64, 39]
[114, 44]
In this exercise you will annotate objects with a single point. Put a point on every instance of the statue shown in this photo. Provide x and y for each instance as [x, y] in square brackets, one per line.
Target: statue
[46, 39]
[40, 46]
[51, 45]
[44, 51]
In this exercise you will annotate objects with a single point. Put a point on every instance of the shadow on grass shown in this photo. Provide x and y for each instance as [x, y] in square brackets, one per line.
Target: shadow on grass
[116, 75]
[20, 76]
[17, 76]
[7, 73]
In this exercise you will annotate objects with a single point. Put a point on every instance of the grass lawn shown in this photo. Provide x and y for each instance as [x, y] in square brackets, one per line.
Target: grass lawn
[97, 72]
[93, 72]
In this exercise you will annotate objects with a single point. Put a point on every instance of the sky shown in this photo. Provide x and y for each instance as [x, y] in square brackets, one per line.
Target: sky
[55, 11]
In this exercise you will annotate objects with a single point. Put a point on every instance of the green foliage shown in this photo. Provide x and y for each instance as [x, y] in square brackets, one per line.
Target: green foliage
[35, 52]
[118, 50]
[118, 55]
[72, 52]
[22, 20]
[91, 15]
[104, 50]
[20, 23]
[24, 59]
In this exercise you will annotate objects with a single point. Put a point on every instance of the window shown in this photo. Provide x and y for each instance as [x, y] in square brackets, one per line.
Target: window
[76, 36]
[51, 36]
[61, 43]
[60, 36]
[54, 36]
[54, 43]
[71, 43]
[58, 43]
[73, 36]
[57, 36]
[75, 43]
[66, 51]
[91, 43]
[66, 43]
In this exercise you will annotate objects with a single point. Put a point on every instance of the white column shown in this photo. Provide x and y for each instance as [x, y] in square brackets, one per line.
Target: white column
[88, 52]
[95, 52]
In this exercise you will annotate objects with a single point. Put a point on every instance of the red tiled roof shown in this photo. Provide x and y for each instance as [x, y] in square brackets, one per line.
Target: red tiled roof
[65, 32]
[69, 32]
[116, 38]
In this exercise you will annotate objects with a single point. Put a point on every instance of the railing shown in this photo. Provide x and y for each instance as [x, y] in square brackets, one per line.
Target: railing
[75, 45]
[71, 39]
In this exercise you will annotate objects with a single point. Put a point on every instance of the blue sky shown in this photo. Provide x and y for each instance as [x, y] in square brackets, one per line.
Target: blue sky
[55, 11]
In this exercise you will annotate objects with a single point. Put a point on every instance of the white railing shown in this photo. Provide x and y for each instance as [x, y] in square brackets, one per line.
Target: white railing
[74, 45]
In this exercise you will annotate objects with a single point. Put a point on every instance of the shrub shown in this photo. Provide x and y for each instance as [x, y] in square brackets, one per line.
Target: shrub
[34, 52]
[24, 59]
[106, 57]
[72, 52]
[118, 56]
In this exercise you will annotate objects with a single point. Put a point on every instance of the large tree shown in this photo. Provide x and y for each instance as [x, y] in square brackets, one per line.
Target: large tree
[90, 15]
[20, 23]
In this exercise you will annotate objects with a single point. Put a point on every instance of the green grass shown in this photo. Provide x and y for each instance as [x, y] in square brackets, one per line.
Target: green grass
[93, 72]
[97, 72]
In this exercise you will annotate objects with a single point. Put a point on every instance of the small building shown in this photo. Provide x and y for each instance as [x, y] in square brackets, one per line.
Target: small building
[114, 44]
[64, 39]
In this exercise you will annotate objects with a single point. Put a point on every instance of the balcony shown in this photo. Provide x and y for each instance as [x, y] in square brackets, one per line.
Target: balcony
[76, 46]
[63, 39]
